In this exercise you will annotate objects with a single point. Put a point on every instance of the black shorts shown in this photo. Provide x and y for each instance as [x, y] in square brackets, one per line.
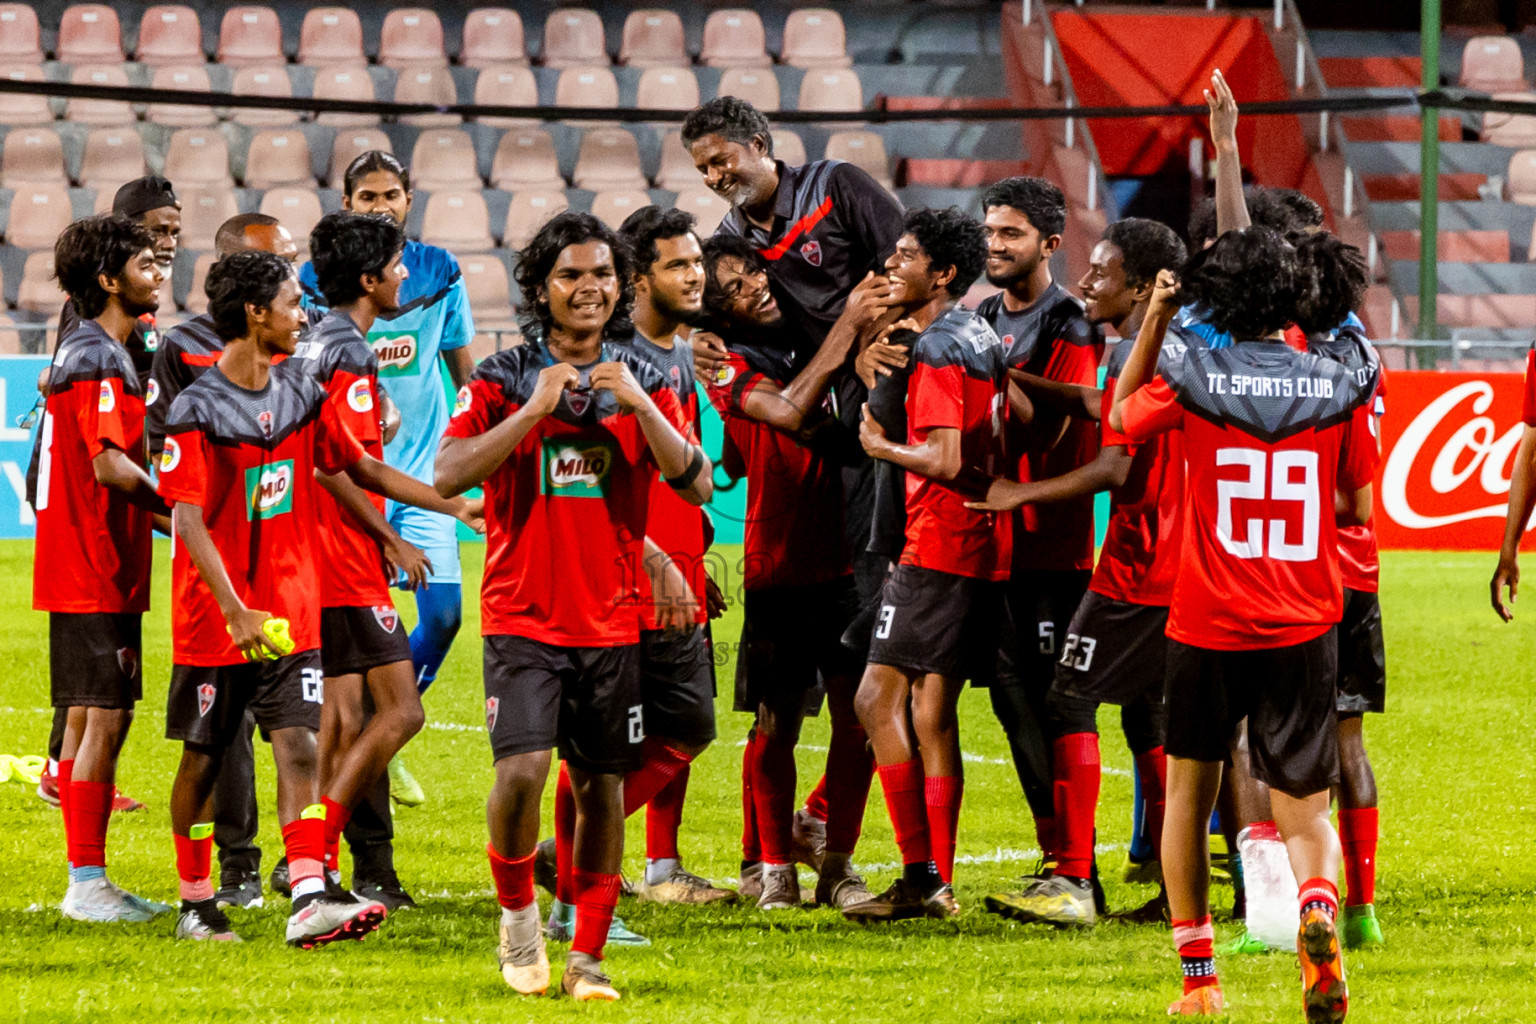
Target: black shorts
[677, 685]
[94, 660]
[206, 705]
[937, 623]
[791, 639]
[354, 640]
[1038, 615]
[1362, 656]
[1114, 652]
[1287, 695]
[583, 701]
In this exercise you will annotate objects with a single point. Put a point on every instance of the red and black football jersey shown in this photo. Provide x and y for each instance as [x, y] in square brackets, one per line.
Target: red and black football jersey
[1269, 435]
[958, 376]
[93, 544]
[1359, 559]
[185, 351]
[566, 513]
[248, 459]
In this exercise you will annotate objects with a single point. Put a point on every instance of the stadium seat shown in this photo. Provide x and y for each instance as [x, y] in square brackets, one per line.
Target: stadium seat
[101, 202]
[188, 79]
[10, 341]
[1516, 131]
[573, 38]
[587, 87]
[39, 292]
[270, 82]
[34, 156]
[788, 147]
[707, 208]
[444, 159]
[39, 214]
[278, 157]
[89, 34]
[677, 170]
[412, 37]
[197, 297]
[482, 346]
[349, 145]
[331, 35]
[525, 158]
[493, 35]
[489, 293]
[831, 89]
[101, 113]
[1520, 181]
[507, 85]
[612, 207]
[298, 208]
[20, 109]
[198, 157]
[670, 88]
[426, 84]
[609, 159]
[863, 149]
[21, 39]
[1450, 246]
[169, 36]
[458, 221]
[653, 38]
[529, 210]
[112, 156]
[815, 38]
[250, 35]
[1492, 64]
[758, 86]
[344, 82]
[734, 39]
[203, 209]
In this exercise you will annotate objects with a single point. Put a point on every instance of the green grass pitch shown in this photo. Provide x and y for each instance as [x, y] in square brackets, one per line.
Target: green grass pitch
[1456, 895]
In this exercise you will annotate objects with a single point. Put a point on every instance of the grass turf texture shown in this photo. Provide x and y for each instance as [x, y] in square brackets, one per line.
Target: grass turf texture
[1455, 896]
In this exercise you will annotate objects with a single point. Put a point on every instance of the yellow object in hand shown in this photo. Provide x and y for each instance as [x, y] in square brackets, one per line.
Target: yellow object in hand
[277, 632]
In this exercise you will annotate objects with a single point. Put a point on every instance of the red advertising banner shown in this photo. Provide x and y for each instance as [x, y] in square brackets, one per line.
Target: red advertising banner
[1448, 442]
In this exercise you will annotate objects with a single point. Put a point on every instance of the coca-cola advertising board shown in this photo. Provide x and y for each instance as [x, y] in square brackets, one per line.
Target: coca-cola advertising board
[1448, 442]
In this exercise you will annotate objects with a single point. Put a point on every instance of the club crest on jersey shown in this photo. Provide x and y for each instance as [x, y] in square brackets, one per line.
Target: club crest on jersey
[205, 695]
[492, 709]
[151, 391]
[463, 400]
[170, 456]
[576, 469]
[264, 421]
[386, 616]
[396, 351]
[812, 252]
[578, 401]
[269, 490]
[360, 395]
[106, 401]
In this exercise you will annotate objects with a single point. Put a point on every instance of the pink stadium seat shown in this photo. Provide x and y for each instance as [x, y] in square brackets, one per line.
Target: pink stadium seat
[89, 34]
[104, 113]
[1450, 246]
[198, 157]
[39, 214]
[1516, 131]
[788, 147]
[758, 86]
[707, 208]
[493, 35]
[587, 87]
[34, 156]
[814, 38]
[349, 145]
[670, 88]
[444, 160]
[39, 292]
[653, 38]
[331, 35]
[1508, 311]
[278, 157]
[1520, 182]
[457, 221]
[19, 109]
[426, 84]
[1530, 252]
[612, 207]
[529, 210]
[202, 211]
[20, 37]
[412, 37]
[250, 35]
[734, 39]
[831, 89]
[197, 298]
[609, 159]
[112, 156]
[270, 82]
[344, 82]
[507, 85]
[188, 79]
[485, 280]
[170, 35]
[101, 202]
[1492, 64]
[863, 149]
[677, 170]
[10, 341]
[525, 159]
[573, 37]
[298, 209]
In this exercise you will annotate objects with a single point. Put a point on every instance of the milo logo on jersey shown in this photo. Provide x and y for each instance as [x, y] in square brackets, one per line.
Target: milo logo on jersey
[397, 352]
[269, 490]
[575, 469]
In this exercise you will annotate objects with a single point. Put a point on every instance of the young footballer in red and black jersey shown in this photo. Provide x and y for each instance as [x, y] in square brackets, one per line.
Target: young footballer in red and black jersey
[94, 504]
[939, 612]
[1270, 437]
[566, 432]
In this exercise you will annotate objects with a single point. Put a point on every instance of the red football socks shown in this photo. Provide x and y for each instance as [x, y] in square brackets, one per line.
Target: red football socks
[816, 799]
[942, 797]
[664, 816]
[1195, 941]
[1357, 834]
[596, 897]
[907, 804]
[65, 774]
[844, 789]
[773, 797]
[751, 848]
[90, 808]
[1152, 773]
[1077, 772]
[514, 879]
[565, 838]
[1321, 894]
[194, 864]
[304, 842]
[661, 765]
[336, 818]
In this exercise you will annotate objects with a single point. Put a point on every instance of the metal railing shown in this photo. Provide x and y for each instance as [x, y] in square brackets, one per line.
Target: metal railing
[1054, 68]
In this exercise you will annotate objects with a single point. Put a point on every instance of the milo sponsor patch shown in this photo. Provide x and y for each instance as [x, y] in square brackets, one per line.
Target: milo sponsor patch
[576, 469]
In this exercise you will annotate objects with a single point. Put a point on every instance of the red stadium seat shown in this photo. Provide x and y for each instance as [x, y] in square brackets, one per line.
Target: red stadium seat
[89, 34]
[278, 157]
[1492, 64]
[653, 38]
[250, 35]
[1402, 188]
[612, 207]
[187, 79]
[349, 145]
[677, 170]
[426, 84]
[331, 35]
[197, 298]
[198, 157]
[39, 291]
[525, 159]
[1397, 72]
[1516, 131]
[573, 38]
[299, 210]
[707, 208]
[863, 149]
[103, 113]
[758, 86]
[20, 36]
[269, 82]
[203, 209]
[444, 160]
[21, 109]
[34, 156]
[170, 35]
[529, 210]
[485, 281]
[344, 82]
[112, 156]
[815, 38]
[1520, 181]
[412, 37]
[493, 35]
[667, 89]
[457, 221]
[831, 89]
[507, 85]
[734, 39]
[39, 214]
[609, 159]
